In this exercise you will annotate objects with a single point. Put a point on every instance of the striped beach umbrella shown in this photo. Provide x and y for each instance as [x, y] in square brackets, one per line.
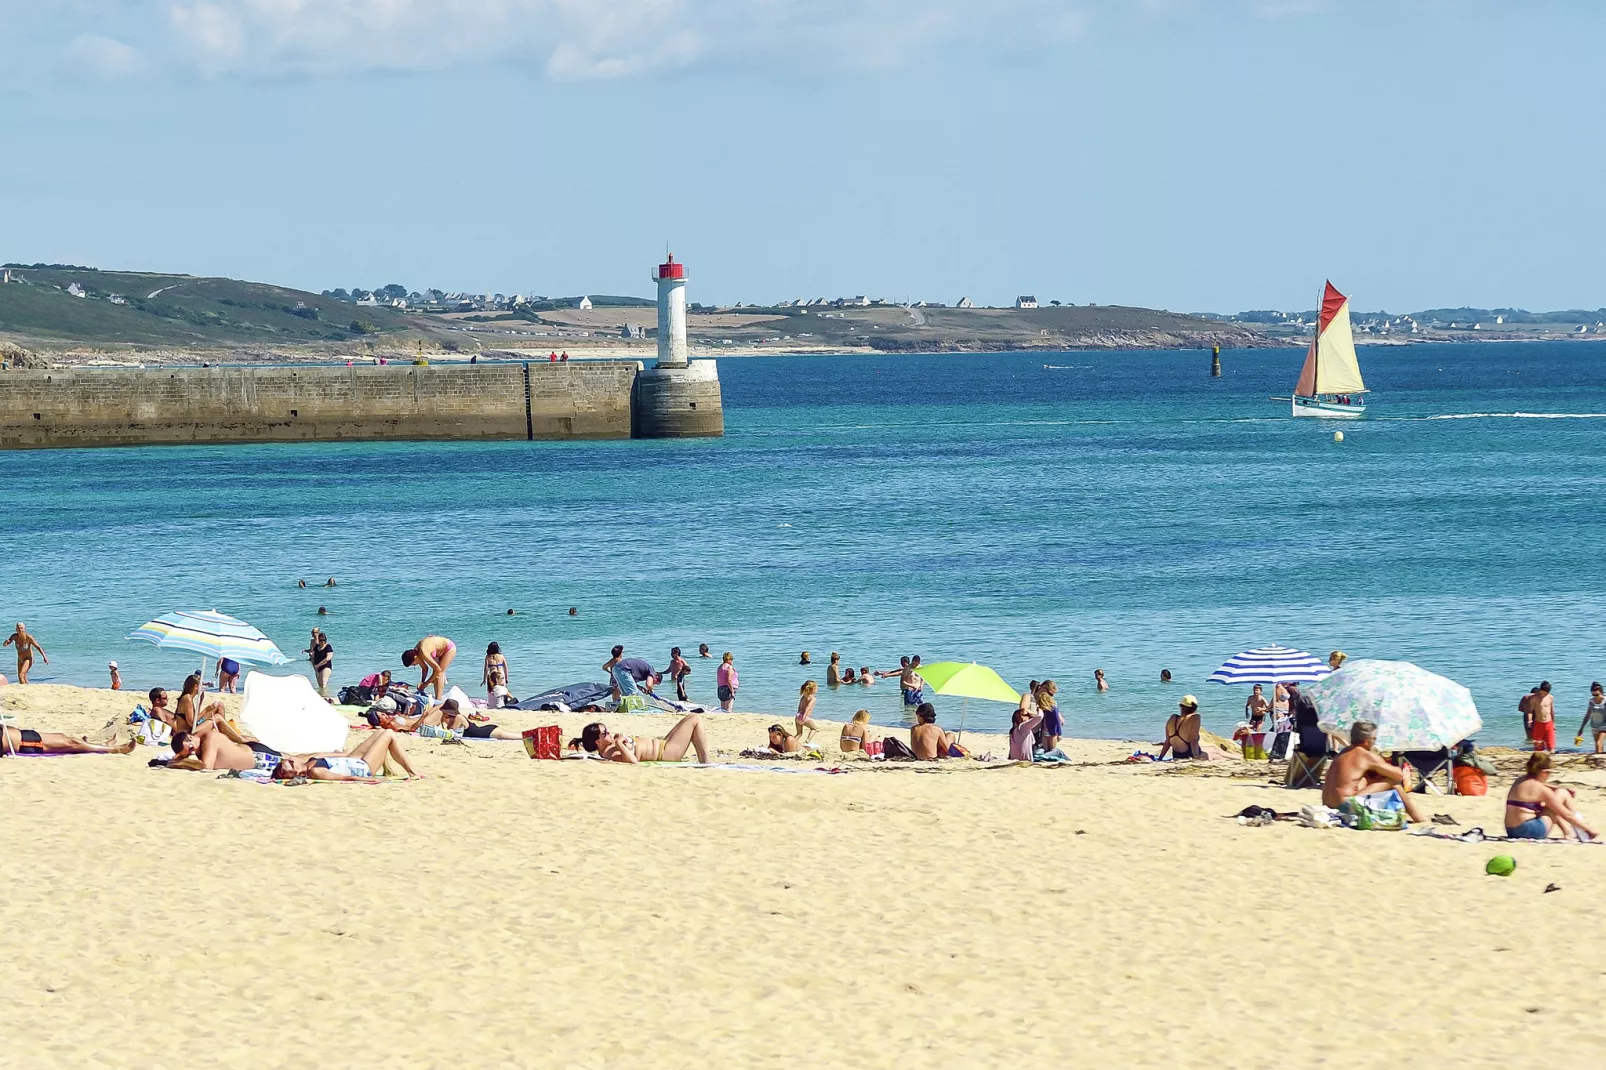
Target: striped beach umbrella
[1271, 665]
[210, 634]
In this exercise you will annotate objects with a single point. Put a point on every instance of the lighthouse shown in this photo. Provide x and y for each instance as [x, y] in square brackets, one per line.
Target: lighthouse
[671, 279]
[678, 397]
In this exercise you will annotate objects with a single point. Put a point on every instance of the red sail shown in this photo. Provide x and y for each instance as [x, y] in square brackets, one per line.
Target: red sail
[1306, 387]
[1332, 301]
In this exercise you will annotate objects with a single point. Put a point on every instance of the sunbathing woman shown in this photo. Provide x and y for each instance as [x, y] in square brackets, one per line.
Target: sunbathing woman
[1534, 807]
[1182, 732]
[186, 717]
[687, 733]
[782, 741]
[447, 717]
[28, 741]
[359, 764]
[855, 734]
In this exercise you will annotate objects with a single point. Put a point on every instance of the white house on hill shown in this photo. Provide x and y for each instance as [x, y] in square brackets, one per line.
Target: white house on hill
[584, 304]
[1026, 301]
[965, 302]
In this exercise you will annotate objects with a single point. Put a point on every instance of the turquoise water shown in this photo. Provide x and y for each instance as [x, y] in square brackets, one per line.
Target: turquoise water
[1117, 510]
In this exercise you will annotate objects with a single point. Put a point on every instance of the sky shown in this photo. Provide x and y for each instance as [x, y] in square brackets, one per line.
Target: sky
[1194, 155]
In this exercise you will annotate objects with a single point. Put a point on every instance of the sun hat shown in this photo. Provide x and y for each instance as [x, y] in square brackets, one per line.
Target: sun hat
[1188, 700]
[111, 665]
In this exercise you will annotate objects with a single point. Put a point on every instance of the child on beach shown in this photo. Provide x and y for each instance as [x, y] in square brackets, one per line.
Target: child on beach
[117, 677]
[805, 708]
[866, 677]
[677, 671]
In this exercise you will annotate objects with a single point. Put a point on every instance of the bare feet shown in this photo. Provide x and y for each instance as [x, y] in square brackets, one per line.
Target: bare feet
[126, 748]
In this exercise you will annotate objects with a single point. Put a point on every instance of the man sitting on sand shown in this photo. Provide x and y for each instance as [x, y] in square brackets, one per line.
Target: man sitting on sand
[928, 741]
[1359, 772]
[28, 741]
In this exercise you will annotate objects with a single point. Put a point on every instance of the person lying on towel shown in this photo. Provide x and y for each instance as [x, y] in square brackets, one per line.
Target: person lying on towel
[447, 717]
[1359, 772]
[687, 733]
[28, 741]
[362, 764]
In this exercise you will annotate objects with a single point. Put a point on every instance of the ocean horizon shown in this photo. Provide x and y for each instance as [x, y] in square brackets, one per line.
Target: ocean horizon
[1044, 513]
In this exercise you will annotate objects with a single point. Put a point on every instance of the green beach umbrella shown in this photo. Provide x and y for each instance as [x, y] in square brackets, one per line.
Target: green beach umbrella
[967, 680]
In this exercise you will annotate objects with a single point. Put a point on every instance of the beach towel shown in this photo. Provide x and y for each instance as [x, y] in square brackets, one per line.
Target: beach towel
[1381, 810]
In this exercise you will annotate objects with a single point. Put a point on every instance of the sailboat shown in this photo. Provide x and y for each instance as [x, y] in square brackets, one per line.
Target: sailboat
[1330, 383]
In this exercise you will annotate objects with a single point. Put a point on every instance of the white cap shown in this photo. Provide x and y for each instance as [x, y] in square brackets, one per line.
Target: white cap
[111, 665]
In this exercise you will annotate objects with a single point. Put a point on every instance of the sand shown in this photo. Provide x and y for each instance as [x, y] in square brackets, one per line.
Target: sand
[510, 912]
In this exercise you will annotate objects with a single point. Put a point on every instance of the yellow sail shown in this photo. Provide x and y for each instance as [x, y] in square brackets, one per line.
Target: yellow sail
[1337, 369]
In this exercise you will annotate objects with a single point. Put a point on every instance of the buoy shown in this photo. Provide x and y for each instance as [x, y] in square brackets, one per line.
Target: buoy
[1338, 436]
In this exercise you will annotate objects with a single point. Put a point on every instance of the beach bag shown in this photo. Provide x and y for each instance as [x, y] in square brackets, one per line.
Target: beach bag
[351, 696]
[873, 748]
[896, 750]
[1470, 780]
[544, 742]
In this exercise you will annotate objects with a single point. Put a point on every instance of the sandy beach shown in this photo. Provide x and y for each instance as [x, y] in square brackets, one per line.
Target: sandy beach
[503, 911]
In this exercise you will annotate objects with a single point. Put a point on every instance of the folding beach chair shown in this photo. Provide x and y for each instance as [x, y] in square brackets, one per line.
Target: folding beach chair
[1305, 771]
[1429, 764]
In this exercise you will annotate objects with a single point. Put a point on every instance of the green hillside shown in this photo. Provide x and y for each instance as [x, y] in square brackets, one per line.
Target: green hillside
[176, 310]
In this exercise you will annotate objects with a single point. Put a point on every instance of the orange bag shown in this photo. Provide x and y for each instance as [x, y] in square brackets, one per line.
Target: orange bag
[544, 742]
[1470, 781]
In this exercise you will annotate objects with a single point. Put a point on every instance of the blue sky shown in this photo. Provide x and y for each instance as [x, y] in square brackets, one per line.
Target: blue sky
[1186, 154]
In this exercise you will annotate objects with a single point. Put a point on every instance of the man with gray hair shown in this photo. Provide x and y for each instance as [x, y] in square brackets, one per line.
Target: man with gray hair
[1359, 771]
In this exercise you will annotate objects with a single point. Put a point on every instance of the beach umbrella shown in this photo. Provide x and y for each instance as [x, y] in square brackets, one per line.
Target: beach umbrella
[1412, 708]
[967, 680]
[210, 634]
[1270, 665]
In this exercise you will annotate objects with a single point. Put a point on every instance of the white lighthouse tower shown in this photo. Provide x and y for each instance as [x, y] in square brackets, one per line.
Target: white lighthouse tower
[671, 279]
[678, 397]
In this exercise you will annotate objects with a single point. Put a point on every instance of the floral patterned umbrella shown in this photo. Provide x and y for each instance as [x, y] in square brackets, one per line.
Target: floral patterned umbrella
[1413, 708]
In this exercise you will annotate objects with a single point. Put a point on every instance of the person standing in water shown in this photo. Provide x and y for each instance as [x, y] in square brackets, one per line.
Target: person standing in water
[912, 683]
[322, 656]
[833, 671]
[497, 663]
[1099, 681]
[1543, 708]
[727, 682]
[26, 646]
[432, 655]
[677, 671]
[1594, 718]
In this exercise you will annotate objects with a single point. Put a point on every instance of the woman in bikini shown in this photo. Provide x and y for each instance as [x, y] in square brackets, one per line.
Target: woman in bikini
[495, 664]
[358, 764]
[631, 750]
[432, 655]
[1533, 807]
[185, 715]
[805, 708]
[855, 734]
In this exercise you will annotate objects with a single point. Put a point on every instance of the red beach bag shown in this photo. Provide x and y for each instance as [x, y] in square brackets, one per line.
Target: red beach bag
[544, 742]
[1470, 781]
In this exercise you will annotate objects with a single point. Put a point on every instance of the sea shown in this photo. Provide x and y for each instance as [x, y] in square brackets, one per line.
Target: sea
[1047, 514]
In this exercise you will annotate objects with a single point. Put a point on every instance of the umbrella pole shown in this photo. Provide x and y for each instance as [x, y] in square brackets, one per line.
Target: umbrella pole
[964, 708]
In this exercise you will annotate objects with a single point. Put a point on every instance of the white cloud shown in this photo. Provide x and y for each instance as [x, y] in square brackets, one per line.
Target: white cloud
[571, 39]
[105, 56]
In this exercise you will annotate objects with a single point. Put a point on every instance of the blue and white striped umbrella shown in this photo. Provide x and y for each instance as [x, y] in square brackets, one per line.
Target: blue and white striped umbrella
[210, 634]
[1271, 665]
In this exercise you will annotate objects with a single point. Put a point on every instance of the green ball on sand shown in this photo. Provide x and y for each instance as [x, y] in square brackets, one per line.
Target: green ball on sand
[1501, 866]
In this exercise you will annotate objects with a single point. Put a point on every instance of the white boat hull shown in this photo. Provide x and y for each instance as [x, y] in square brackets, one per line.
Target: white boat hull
[1330, 408]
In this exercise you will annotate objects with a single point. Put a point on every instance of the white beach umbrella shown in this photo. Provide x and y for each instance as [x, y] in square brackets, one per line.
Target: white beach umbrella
[1413, 709]
[1270, 665]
